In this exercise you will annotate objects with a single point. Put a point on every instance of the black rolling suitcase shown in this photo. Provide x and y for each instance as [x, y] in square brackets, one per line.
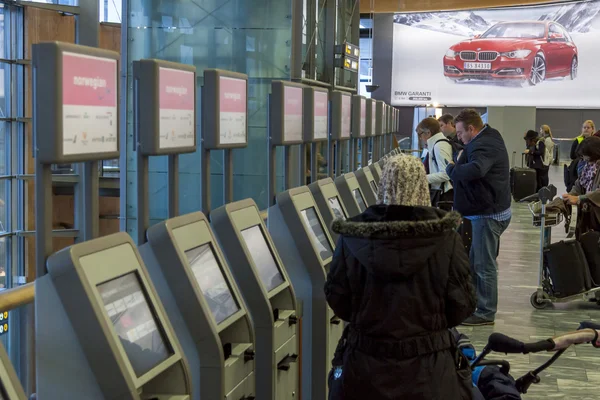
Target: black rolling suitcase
[568, 268]
[590, 242]
[523, 181]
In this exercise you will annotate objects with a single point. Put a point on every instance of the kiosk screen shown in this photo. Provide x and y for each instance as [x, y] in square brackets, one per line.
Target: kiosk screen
[336, 207]
[359, 200]
[317, 236]
[262, 257]
[127, 307]
[374, 187]
[210, 278]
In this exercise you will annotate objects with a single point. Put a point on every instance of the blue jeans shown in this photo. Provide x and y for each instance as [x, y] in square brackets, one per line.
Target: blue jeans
[484, 268]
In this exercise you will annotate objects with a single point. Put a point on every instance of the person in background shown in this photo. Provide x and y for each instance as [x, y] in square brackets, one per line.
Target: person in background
[481, 179]
[588, 183]
[587, 129]
[400, 277]
[536, 151]
[573, 171]
[546, 135]
[448, 128]
[439, 154]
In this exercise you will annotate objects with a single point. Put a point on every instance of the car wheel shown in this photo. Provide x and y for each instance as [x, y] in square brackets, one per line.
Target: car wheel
[538, 70]
[574, 68]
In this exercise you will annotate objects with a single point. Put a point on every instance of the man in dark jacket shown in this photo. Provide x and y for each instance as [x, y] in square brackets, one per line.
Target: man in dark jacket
[481, 179]
[401, 277]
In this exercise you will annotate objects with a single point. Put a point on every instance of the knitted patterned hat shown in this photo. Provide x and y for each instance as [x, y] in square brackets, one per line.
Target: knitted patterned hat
[403, 182]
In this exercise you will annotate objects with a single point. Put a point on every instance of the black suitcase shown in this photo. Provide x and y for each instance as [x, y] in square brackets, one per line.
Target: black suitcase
[523, 181]
[590, 242]
[568, 268]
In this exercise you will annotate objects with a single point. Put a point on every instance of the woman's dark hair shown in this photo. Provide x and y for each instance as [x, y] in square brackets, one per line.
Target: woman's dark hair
[590, 147]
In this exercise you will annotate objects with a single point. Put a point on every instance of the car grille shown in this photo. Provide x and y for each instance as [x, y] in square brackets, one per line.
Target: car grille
[488, 55]
[468, 55]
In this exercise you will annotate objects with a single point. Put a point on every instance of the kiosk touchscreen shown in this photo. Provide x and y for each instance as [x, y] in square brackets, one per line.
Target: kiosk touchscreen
[306, 248]
[101, 331]
[10, 386]
[351, 194]
[204, 305]
[268, 295]
[376, 171]
[329, 203]
[367, 183]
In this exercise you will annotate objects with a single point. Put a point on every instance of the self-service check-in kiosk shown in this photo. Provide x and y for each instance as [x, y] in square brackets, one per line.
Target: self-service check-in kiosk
[328, 202]
[268, 295]
[306, 249]
[351, 194]
[101, 331]
[205, 306]
[376, 171]
[367, 183]
[10, 386]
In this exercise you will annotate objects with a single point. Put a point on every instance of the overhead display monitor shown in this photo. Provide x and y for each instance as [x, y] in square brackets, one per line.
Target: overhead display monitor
[317, 235]
[225, 109]
[164, 107]
[336, 207]
[321, 122]
[363, 116]
[209, 275]
[346, 115]
[262, 257]
[134, 323]
[76, 91]
[538, 56]
[286, 113]
[359, 199]
[177, 103]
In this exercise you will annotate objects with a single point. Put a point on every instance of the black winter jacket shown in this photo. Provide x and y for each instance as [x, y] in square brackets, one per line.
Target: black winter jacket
[481, 176]
[535, 157]
[400, 275]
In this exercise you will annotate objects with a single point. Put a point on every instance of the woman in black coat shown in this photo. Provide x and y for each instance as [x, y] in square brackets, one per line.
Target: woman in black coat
[400, 276]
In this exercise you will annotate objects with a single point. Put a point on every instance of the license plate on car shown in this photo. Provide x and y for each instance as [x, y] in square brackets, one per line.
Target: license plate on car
[478, 66]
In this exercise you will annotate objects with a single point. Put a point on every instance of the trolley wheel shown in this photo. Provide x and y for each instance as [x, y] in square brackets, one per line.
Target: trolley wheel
[537, 304]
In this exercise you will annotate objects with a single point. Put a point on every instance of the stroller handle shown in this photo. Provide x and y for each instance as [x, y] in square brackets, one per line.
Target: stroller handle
[501, 343]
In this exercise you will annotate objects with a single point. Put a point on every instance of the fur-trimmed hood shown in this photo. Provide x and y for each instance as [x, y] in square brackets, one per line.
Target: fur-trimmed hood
[396, 241]
[397, 221]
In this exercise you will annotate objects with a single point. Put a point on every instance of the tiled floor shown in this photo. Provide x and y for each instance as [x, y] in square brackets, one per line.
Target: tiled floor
[576, 375]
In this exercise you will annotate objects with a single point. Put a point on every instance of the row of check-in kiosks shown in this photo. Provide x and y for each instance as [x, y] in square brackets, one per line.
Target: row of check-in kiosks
[228, 309]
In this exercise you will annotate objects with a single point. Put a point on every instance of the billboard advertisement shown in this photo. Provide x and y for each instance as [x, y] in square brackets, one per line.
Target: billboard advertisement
[544, 56]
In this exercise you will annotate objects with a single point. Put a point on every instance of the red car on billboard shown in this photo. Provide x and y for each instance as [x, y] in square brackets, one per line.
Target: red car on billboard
[528, 52]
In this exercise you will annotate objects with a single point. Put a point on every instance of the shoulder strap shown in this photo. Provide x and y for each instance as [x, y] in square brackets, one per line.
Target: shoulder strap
[433, 148]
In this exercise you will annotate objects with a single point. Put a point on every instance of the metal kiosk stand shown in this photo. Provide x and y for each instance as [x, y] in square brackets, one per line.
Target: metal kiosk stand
[104, 333]
[329, 203]
[204, 305]
[359, 131]
[10, 386]
[268, 294]
[316, 127]
[164, 103]
[341, 111]
[306, 250]
[379, 125]
[285, 129]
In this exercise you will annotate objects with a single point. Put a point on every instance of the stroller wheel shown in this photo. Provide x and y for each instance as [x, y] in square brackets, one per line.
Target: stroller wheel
[537, 304]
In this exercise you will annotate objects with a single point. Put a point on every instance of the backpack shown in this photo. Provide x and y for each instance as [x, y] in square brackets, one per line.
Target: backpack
[457, 147]
[549, 154]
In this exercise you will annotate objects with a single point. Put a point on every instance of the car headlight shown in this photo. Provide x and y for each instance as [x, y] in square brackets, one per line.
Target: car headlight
[451, 53]
[516, 54]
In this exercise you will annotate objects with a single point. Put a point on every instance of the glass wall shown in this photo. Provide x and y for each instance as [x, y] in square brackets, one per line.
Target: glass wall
[252, 37]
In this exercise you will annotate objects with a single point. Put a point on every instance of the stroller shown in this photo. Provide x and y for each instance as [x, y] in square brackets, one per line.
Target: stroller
[492, 379]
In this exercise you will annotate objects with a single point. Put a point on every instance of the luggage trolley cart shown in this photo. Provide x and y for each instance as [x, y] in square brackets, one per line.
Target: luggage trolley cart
[544, 295]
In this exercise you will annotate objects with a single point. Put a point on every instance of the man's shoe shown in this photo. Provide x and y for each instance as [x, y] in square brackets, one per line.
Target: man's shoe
[474, 320]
